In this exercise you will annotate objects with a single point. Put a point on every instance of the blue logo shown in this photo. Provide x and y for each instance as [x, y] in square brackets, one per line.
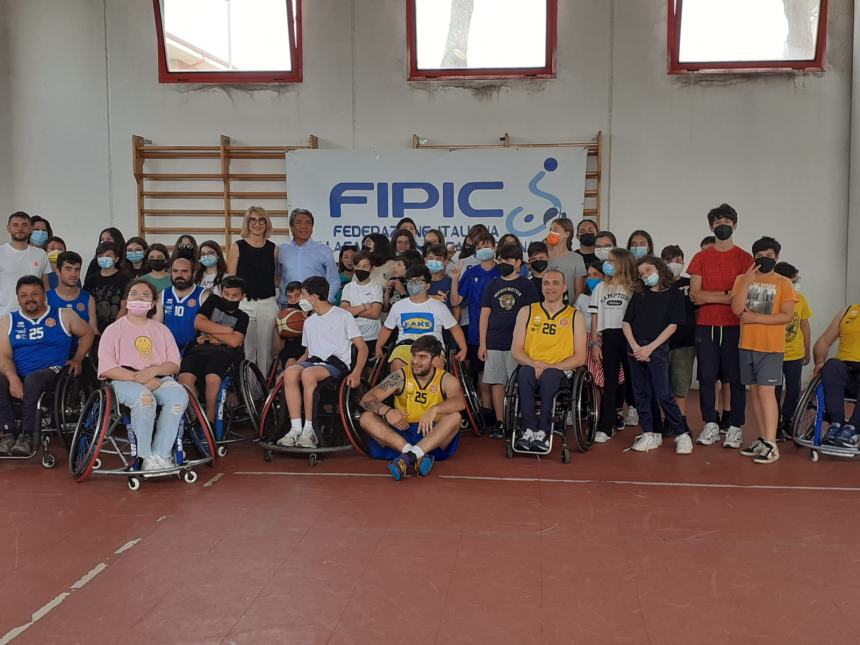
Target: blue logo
[531, 224]
[417, 323]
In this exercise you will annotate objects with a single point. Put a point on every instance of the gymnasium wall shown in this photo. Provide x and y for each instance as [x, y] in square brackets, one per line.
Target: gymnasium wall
[79, 79]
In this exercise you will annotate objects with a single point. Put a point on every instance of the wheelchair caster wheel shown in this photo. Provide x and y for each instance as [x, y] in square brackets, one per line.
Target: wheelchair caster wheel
[221, 451]
[133, 483]
[190, 477]
[509, 451]
[565, 455]
[813, 456]
[267, 455]
[48, 460]
[313, 460]
[97, 464]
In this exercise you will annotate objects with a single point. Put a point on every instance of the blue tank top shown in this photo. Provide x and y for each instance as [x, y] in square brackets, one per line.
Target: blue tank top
[80, 305]
[39, 344]
[179, 314]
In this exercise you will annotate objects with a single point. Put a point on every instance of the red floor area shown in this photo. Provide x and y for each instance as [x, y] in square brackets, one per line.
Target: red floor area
[599, 556]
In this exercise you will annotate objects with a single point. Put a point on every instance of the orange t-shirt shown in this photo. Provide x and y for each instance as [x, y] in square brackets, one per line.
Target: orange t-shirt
[766, 295]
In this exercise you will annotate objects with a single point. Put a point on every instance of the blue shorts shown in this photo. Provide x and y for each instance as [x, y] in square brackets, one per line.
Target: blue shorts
[333, 371]
[411, 435]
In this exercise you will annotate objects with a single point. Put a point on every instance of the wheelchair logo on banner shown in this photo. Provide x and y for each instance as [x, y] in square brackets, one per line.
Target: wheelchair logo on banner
[536, 225]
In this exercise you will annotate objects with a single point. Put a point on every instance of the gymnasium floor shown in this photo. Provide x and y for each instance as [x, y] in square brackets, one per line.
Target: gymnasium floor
[612, 548]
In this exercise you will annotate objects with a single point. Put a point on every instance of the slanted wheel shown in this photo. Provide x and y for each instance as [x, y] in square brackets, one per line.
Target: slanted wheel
[809, 413]
[473, 406]
[350, 413]
[584, 410]
[198, 433]
[222, 451]
[269, 429]
[48, 460]
[190, 477]
[90, 432]
[512, 407]
[133, 483]
[252, 386]
[267, 455]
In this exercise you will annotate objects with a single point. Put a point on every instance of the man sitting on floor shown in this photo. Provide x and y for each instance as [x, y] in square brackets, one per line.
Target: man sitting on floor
[424, 424]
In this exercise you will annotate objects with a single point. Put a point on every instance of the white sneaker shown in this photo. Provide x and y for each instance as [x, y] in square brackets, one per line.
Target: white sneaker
[632, 417]
[647, 441]
[601, 437]
[290, 439]
[149, 463]
[710, 434]
[308, 439]
[683, 444]
[734, 438]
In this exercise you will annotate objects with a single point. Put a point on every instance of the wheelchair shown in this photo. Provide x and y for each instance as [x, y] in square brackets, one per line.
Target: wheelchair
[58, 412]
[574, 413]
[104, 430]
[237, 408]
[808, 425]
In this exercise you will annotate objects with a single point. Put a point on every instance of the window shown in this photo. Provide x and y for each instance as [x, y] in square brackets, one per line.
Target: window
[746, 35]
[481, 38]
[229, 41]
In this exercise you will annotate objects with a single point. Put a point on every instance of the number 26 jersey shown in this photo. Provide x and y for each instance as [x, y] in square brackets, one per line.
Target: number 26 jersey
[549, 339]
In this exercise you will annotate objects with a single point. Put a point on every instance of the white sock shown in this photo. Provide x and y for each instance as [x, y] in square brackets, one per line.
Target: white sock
[406, 448]
[418, 452]
[296, 424]
[309, 427]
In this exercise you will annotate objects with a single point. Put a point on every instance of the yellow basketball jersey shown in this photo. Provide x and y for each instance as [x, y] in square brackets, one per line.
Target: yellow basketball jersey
[414, 400]
[549, 338]
[849, 336]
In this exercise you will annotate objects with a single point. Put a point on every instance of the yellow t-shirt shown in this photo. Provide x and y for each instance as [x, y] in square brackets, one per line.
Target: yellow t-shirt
[767, 293]
[849, 335]
[549, 338]
[794, 349]
[414, 400]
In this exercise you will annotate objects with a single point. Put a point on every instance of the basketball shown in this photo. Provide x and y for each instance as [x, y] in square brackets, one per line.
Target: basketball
[290, 323]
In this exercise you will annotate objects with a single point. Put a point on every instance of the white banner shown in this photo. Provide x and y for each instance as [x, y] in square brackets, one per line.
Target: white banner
[510, 190]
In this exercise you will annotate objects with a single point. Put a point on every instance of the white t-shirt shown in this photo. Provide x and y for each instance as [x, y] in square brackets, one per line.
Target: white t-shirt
[415, 319]
[330, 335]
[610, 304]
[360, 294]
[583, 302]
[15, 264]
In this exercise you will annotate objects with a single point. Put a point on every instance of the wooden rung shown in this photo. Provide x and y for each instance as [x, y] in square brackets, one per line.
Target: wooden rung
[257, 177]
[592, 174]
[205, 176]
[258, 195]
[271, 211]
[589, 211]
[178, 148]
[591, 193]
[176, 194]
[180, 155]
[200, 229]
[190, 212]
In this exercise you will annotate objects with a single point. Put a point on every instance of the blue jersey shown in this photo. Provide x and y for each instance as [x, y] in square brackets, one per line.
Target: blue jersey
[472, 285]
[80, 305]
[39, 344]
[179, 314]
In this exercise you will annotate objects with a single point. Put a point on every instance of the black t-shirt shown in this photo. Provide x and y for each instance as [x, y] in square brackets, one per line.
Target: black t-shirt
[505, 298]
[650, 312]
[213, 309]
[686, 334]
[107, 291]
[588, 258]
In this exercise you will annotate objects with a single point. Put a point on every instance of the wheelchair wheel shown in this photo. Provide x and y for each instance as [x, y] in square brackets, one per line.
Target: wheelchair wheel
[473, 406]
[512, 408]
[809, 414]
[272, 414]
[584, 409]
[90, 433]
[198, 432]
[350, 412]
[70, 396]
[375, 375]
[252, 385]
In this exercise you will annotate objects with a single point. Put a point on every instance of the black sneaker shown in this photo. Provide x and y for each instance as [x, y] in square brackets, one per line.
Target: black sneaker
[498, 431]
[619, 423]
[6, 442]
[23, 446]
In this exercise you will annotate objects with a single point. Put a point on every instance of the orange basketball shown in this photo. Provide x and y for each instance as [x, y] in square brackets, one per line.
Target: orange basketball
[290, 323]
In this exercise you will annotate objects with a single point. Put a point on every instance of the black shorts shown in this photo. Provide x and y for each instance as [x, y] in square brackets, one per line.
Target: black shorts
[201, 360]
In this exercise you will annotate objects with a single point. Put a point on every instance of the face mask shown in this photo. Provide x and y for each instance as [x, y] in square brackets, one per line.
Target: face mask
[229, 305]
[305, 305]
[723, 232]
[765, 265]
[676, 268]
[587, 239]
[39, 237]
[467, 250]
[505, 269]
[105, 262]
[206, 260]
[52, 256]
[797, 286]
[361, 276]
[553, 238]
[593, 282]
[157, 264]
[608, 268]
[138, 307]
[539, 266]
[415, 289]
[484, 254]
[602, 253]
[651, 280]
[639, 251]
[134, 256]
[435, 266]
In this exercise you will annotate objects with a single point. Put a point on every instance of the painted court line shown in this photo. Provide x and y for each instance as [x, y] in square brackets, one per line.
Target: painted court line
[55, 602]
[213, 480]
[283, 474]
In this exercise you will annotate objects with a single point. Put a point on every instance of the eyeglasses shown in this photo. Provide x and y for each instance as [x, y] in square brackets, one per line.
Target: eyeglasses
[256, 220]
[145, 294]
[186, 246]
[415, 283]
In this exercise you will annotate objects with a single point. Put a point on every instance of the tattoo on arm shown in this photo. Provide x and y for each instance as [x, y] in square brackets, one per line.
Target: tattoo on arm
[393, 382]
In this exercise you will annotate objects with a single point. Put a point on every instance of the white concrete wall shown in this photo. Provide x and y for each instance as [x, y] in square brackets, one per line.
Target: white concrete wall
[6, 205]
[82, 79]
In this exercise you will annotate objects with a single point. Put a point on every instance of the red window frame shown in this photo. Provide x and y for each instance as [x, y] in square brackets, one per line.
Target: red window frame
[232, 78]
[673, 40]
[547, 71]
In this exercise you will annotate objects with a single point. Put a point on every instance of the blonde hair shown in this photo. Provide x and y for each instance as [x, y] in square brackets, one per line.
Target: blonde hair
[256, 211]
[626, 275]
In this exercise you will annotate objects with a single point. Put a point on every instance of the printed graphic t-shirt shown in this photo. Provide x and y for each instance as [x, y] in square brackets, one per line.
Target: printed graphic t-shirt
[767, 293]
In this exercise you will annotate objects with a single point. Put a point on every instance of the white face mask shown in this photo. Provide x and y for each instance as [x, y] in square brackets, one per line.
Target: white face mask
[676, 268]
[602, 253]
[305, 305]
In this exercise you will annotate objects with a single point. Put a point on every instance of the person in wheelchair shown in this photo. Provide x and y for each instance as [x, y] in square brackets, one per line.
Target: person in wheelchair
[139, 357]
[424, 423]
[221, 328]
[549, 343]
[839, 375]
[35, 344]
[328, 337]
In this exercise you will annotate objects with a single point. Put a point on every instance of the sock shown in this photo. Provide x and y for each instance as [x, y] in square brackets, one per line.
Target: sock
[418, 452]
[309, 427]
[295, 424]
[407, 447]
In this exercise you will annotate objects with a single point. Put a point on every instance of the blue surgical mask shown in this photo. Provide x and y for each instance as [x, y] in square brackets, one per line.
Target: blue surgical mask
[593, 282]
[209, 260]
[651, 280]
[639, 251]
[435, 266]
[38, 237]
[106, 262]
[134, 256]
[608, 268]
[485, 254]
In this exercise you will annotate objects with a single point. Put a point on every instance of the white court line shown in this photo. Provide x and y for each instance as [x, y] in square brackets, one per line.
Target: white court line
[55, 602]
[213, 480]
[283, 474]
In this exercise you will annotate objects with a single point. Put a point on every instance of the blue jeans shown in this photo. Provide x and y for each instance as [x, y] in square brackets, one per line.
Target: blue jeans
[651, 383]
[548, 385]
[171, 397]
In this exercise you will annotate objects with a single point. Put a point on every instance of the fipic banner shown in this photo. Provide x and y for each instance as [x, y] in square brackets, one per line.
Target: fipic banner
[510, 190]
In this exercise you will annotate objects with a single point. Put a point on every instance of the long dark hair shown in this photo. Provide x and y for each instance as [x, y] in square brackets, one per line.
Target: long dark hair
[382, 252]
[647, 237]
[221, 266]
[667, 278]
[194, 247]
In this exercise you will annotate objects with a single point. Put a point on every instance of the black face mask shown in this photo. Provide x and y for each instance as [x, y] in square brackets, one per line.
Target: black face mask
[587, 239]
[723, 232]
[765, 265]
[467, 250]
[156, 264]
[362, 275]
[539, 266]
[229, 305]
[505, 269]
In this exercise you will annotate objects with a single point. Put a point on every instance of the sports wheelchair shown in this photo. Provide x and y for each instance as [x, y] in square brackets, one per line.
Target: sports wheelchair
[237, 408]
[574, 407]
[104, 430]
[58, 411]
[808, 426]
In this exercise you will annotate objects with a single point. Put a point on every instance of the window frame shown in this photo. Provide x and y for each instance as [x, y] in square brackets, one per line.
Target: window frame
[235, 77]
[675, 66]
[487, 73]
